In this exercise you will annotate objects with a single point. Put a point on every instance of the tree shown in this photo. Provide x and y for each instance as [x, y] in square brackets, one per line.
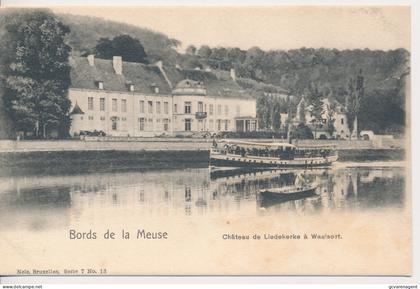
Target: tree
[218, 53]
[191, 63]
[302, 131]
[191, 50]
[263, 112]
[204, 51]
[253, 62]
[275, 116]
[302, 112]
[236, 55]
[317, 109]
[355, 93]
[315, 100]
[330, 112]
[37, 74]
[129, 48]
[104, 48]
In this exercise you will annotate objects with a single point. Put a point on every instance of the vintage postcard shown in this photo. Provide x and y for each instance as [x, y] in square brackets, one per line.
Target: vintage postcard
[205, 140]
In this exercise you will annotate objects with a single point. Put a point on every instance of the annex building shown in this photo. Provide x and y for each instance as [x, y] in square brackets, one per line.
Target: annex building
[332, 110]
[133, 99]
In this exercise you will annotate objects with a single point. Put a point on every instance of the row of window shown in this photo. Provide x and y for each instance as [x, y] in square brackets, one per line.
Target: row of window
[102, 118]
[219, 123]
[102, 104]
[144, 123]
[203, 108]
[158, 106]
[114, 104]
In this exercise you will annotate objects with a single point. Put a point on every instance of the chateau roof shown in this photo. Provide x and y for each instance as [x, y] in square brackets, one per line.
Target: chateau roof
[143, 77]
[189, 83]
[146, 77]
[215, 86]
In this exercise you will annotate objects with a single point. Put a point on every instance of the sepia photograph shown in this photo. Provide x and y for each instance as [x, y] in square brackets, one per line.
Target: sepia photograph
[205, 140]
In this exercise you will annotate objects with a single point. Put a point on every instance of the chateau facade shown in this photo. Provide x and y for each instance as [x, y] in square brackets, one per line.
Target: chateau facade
[132, 99]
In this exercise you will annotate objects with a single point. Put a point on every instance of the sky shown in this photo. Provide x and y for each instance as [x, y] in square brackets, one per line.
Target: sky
[268, 27]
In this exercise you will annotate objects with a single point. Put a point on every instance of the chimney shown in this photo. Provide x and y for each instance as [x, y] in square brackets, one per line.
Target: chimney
[233, 74]
[91, 59]
[117, 63]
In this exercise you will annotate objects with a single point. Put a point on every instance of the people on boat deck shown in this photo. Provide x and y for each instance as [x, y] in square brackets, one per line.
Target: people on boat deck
[280, 152]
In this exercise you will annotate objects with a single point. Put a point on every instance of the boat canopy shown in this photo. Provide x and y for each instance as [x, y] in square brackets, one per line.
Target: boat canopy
[258, 144]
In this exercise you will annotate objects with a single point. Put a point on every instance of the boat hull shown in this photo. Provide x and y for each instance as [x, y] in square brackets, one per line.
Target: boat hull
[226, 160]
[288, 196]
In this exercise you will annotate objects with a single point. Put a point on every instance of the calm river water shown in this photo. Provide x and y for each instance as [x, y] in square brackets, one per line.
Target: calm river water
[39, 203]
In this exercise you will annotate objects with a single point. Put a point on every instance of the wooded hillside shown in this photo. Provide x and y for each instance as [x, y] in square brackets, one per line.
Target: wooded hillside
[382, 108]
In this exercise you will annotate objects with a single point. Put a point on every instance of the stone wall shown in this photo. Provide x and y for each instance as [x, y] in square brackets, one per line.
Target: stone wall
[340, 144]
[382, 143]
[154, 144]
[78, 145]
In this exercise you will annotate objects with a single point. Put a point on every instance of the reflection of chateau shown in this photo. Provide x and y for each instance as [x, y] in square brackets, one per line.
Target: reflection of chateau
[101, 198]
[33, 208]
[338, 188]
[362, 187]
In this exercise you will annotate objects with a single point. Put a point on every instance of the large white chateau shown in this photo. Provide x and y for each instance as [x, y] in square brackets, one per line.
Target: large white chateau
[133, 99]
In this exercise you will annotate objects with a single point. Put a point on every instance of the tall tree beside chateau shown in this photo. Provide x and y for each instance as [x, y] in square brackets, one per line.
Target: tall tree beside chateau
[330, 112]
[317, 110]
[355, 94]
[129, 48]
[35, 72]
[268, 112]
[263, 112]
[302, 114]
[275, 116]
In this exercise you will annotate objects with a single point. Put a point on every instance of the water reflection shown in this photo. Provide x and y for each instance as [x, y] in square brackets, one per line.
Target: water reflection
[48, 202]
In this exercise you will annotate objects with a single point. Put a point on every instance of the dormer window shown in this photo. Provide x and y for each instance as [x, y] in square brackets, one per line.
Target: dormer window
[155, 87]
[130, 86]
[100, 84]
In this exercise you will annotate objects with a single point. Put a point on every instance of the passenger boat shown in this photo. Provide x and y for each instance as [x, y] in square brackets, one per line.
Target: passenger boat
[270, 155]
[272, 197]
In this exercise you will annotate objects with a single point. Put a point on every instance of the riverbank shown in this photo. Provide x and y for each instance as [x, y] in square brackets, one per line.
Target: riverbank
[147, 144]
[75, 161]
